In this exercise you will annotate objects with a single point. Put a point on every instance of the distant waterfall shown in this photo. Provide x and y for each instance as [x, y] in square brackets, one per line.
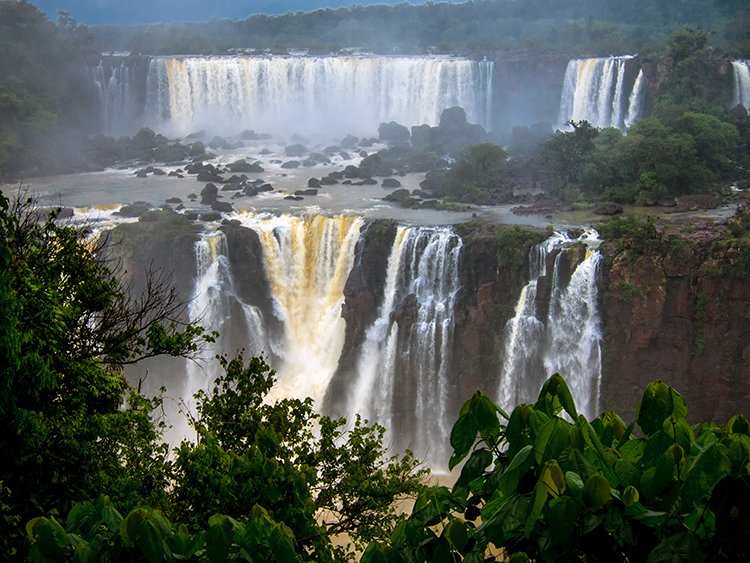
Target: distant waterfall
[339, 94]
[741, 70]
[116, 82]
[635, 102]
[567, 340]
[402, 378]
[595, 90]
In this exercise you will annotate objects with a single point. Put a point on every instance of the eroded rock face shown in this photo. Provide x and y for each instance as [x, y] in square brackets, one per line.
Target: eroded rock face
[681, 318]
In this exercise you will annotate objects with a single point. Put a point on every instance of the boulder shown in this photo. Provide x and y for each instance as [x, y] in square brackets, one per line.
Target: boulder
[210, 216]
[393, 133]
[369, 182]
[209, 193]
[220, 143]
[135, 209]
[159, 172]
[291, 164]
[294, 198]
[222, 206]
[391, 183]
[397, 195]
[349, 142]
[141, 174]
[313, 183]
[308, 191]
[242, 166]
[345, 155]
[297, 150]
[174, 200]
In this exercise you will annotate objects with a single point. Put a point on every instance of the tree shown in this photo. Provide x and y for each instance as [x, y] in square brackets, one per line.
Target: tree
[73, 427]
[250, 452]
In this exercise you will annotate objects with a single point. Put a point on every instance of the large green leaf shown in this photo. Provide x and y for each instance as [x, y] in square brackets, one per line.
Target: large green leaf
[463, 435]
[562, 517]
[150, 541]
[553, 438]
[708, 468]
[596, 491]
[659, 402]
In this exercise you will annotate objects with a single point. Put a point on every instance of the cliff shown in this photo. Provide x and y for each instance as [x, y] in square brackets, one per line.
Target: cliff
[679, 311]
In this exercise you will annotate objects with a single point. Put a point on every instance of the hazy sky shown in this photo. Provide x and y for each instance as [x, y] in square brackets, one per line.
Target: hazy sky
[151, 11]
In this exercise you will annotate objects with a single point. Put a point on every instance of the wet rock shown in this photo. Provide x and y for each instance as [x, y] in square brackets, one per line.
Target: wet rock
[294, 198]
[174, 200]
[345, 155]
[141, 174]
[159, 172]
[210, 216]
[242, 166]
[135, 209]
[291, 164]
[349, 142]
[391, 183]
[393, 133]
[222, 206]
[209, 193]
[297, 150]
[313, 183]
[308, 191]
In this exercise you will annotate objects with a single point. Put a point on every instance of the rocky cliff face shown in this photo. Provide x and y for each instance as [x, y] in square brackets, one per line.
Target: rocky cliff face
[681, 314]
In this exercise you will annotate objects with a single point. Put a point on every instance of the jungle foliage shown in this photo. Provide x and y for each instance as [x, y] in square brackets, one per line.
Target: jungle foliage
[545, 484]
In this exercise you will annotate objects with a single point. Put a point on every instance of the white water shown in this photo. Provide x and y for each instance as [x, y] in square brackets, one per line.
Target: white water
[567, 341]
[115, 82]
[635, 102]
[307, 261]
[336, 95]
[402, 379]
[741, 71]
[594, 90]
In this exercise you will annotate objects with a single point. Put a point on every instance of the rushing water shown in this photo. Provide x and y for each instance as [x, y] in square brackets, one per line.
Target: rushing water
[566, 340]
[596, 90]
[333, 94]
[741, 72]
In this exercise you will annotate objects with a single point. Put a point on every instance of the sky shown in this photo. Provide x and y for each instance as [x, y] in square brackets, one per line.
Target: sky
[93, 12]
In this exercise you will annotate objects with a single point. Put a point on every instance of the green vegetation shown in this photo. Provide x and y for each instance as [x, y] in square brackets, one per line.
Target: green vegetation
[470, 28]
[546, 487]
[74, 429]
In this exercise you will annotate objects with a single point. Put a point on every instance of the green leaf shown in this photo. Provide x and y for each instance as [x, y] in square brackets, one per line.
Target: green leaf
[553, 438]
[150, 542]
[630, 496]
[457, 535]
[48, 536]
[596, 491]
[553, 479]
[219, 538]
[535, 512]
[659, 402]
[707, 469]
[463, 434]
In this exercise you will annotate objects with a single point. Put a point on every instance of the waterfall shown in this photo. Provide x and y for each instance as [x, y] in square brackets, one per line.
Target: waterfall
[215, 304]
[594, 90]
[741, 71]
[346, 94]
[307, 261]
[115, 81]
[567, 340]
[402, 379]
[635, 102]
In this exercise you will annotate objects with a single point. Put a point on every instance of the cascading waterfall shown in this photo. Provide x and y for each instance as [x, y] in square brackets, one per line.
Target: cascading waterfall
[567, 341]
[116, 83]
[216, 304]
[635, 102]
[348, 94]
[307, 261]
[594, 90]
[402, 377]
[741, 71]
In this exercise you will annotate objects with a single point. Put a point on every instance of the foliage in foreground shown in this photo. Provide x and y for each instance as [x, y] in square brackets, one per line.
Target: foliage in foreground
[74, 429]
[550, 487]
